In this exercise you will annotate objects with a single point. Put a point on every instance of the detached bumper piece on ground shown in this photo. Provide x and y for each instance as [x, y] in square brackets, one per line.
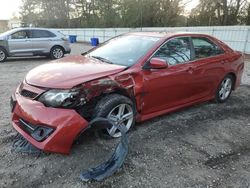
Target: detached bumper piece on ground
[108, 168]
[20, 144]
[102, 171]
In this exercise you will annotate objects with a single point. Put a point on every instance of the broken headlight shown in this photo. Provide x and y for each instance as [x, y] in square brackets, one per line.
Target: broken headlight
[60, 98]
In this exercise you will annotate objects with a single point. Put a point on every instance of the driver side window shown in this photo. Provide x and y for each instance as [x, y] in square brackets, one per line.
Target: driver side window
[175, 51]
[19, 35]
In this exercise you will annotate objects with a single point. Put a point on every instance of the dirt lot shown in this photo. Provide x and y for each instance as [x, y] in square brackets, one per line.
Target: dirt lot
[207, 145]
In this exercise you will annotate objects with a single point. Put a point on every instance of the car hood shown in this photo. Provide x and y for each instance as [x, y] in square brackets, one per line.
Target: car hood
[2, 36]
[70, 71]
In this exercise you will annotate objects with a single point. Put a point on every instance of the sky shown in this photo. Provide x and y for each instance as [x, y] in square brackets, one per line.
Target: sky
[190, 4]
[8, 8]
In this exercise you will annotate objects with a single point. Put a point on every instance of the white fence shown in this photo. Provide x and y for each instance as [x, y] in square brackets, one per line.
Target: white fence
[238, 37]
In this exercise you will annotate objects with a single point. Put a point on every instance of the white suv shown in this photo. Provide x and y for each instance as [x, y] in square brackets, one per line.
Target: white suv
[33, 42]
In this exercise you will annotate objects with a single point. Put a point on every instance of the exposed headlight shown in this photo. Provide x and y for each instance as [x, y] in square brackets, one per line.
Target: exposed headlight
[62, 98]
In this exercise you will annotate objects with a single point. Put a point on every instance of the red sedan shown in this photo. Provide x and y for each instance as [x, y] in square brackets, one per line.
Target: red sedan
[133, 77]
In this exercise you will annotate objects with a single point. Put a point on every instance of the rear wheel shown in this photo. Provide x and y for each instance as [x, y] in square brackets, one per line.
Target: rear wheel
[119, 110]
[56, 52]
[3, 55]
[225, 88]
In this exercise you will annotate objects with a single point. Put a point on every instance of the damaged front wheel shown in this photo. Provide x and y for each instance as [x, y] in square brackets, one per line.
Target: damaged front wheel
[119, 110]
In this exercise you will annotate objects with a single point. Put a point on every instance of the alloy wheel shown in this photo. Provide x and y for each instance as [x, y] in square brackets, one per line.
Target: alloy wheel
[2, 55]
[120, 115]
[226, 87]
[57, 53]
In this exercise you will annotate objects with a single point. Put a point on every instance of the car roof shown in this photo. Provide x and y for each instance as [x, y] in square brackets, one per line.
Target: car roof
[167, 34]
[29, 28]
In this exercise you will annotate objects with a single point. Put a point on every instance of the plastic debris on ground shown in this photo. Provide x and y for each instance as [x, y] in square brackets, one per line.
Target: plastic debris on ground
[99, 173]
[21, 145]
[109, 167]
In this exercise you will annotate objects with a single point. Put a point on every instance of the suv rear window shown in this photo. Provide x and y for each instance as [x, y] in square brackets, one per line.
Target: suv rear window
[41, 34]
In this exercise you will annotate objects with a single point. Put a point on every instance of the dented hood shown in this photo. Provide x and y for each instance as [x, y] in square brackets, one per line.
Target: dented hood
[70, 71]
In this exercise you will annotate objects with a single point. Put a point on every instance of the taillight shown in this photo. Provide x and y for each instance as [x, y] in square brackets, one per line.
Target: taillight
[64, 39]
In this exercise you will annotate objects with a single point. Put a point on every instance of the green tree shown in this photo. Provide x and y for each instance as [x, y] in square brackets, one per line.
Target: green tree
[102, 13]
[46, 13]
[218, 12]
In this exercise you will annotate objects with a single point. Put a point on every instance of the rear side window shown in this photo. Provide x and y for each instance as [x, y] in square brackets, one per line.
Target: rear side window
[203, 47]
[175, 51]
[41, 34]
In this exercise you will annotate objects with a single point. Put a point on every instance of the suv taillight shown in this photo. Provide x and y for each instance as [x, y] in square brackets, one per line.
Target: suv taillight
[64, 38]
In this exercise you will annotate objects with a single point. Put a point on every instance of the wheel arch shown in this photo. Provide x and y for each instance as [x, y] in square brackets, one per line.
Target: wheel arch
[4, 48]
[119, 91]
[88, 108]
[234, 78]
[57, 45]
[124, 92]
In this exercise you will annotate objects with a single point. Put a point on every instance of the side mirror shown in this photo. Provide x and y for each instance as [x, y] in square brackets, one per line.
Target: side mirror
[157, 63]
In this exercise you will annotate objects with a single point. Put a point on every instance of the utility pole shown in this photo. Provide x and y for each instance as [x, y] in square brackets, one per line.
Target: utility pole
[141, 12]
[68, 13]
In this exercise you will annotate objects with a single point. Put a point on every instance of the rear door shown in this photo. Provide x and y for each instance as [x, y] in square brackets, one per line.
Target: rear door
[41, 40]
[207, 66]
[19, 43]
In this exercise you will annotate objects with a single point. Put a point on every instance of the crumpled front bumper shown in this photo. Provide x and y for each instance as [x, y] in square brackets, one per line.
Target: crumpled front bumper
[66, 123]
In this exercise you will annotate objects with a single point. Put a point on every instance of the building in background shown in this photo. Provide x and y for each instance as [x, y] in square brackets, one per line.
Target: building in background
[14, 23]
[4, 25]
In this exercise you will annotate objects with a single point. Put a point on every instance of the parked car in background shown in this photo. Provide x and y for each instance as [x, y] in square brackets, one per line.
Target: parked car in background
[22, 42]
[132, 77]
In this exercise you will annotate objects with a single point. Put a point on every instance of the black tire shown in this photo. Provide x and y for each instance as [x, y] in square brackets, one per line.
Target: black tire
[219, 92]
[57, 52]
[3, 55]
[104, 107]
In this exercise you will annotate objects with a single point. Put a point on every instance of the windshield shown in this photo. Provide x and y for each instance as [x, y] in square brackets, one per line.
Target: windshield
[7, 32]
[124, 50]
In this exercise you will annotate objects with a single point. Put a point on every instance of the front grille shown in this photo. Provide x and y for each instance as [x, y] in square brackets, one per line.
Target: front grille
[28, 94]
[27, 127]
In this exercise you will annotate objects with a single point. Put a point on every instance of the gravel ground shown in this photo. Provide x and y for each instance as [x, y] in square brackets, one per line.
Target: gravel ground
[207, 145]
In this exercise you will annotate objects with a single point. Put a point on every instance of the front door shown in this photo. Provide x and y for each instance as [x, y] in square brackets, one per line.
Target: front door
[175, 85]
[19, 43]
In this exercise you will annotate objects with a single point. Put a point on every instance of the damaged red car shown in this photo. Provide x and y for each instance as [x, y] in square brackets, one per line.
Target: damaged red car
[128, 79]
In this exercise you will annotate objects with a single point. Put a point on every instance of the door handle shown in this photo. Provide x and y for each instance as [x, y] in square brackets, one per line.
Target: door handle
[224, 61]
[190, 70]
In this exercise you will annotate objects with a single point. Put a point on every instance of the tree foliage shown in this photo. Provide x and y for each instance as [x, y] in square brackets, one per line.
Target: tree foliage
[101, 13]
[133, 13]
[46, 12]
[219, 12]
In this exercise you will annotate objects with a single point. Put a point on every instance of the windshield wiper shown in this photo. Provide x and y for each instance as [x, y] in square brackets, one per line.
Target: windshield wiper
[84, 53]
[102, 59]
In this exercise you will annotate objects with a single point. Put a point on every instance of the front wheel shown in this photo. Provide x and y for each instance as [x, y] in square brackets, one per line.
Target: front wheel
[3, 55]
[119, 110]
[56, 52]
[225, 88]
